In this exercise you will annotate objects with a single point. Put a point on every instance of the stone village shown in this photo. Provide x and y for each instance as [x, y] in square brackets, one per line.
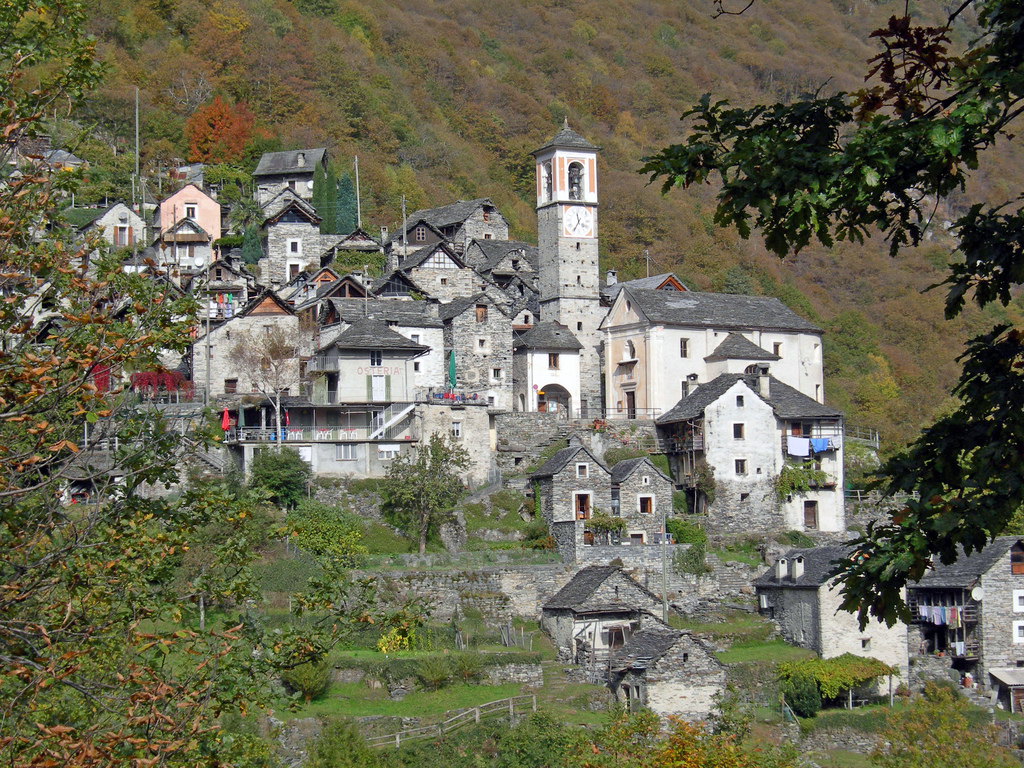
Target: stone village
[510, 348]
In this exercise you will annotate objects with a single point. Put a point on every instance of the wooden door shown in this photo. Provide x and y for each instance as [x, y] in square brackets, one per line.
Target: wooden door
[810, 515]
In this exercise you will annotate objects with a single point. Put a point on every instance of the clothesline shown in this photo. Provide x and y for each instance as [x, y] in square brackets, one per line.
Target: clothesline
[804, 446]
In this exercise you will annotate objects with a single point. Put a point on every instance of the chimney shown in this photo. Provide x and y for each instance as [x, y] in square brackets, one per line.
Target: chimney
[383, 234]
[302, 159]
[762, 381]
[781, 568]
[798, 567]
[612, 277]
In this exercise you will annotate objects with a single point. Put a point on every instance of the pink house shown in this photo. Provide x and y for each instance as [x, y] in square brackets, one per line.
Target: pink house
[190, 202]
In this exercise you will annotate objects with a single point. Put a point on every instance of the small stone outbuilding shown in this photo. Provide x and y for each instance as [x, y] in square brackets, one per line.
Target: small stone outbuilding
[642, 496]
[671, 673]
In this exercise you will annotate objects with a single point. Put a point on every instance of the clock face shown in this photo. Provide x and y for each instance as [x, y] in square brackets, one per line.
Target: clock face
[579, 221]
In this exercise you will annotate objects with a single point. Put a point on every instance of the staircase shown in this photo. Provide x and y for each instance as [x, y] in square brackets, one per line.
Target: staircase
[392, 416]
[731, 579]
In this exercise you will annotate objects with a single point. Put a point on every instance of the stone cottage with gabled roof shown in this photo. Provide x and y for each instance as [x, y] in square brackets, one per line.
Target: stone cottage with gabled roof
[440, 272]
[745, 431]
[802, 596]
[597, 612]
[500, 260]
[546, 370]
[456, 223]
[292, 169]
[672, 673]
[478, 332]
[293, 240]
[642, 496]
[972, 612]
[657, 343]
[572, 485]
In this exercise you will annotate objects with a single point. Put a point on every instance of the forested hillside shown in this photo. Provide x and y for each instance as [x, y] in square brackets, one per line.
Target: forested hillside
[444, 100]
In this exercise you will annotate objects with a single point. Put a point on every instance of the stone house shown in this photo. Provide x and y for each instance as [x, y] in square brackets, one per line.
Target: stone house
[597, 612]
[659, 343]
[456, 223]
[672, 673]
[293, 241]
[572, 485]
[746, 430]
[266, 310]
[183, 249]
[224, 289]
[972, 613]
[500, 260]
[802, 597]
[642, 496]
[440, 272]
[478, 333]
[119, 225]
[546, 370]
[293, 170]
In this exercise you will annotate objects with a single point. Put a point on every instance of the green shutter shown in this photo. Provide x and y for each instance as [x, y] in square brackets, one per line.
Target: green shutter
[369, 389]
[387, 386]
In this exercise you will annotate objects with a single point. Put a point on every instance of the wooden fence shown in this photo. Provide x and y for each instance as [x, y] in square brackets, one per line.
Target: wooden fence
[486, 711]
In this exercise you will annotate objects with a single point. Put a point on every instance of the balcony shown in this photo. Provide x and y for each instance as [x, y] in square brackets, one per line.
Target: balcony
[404, 431]
[683, 444]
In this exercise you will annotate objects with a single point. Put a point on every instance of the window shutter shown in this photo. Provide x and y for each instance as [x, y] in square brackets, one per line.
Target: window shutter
[131, 236]
[387, 387]
[369, 388]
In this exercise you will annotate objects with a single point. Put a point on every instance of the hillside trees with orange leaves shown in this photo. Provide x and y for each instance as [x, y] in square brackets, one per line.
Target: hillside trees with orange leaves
[218, 132]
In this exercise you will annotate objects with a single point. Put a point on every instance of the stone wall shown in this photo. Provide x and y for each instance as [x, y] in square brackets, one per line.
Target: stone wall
[522, 435]
[632, 489]
[685, 681]
[481, 348]
[279, 255]
[836, 738]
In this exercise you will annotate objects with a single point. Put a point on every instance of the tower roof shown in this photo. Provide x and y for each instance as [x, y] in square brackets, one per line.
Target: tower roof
[566, 138]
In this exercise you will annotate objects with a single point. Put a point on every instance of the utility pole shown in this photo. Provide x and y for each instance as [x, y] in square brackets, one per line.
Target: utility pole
[664, 569]
[359, 208]
[405, 230]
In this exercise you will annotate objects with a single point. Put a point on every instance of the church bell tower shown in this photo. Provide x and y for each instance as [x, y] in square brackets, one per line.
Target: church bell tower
[567, 246]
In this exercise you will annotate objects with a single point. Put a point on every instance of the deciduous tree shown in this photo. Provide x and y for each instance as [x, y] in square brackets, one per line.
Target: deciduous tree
[218, 132]
[419, 493]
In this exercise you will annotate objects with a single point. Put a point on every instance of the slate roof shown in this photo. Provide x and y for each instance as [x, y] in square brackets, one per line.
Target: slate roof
[717, 310]
[580, 587]
[567, 138]
[383, 280]
[458, 305]
[369, 333]
[495, 251]
[287, 199]
[652, 283]
[274, 163]
[416, 258]
[558, 462]
[623, 469]
[738, 347]
[451, 214]
[967, 569]
[646, 646]
[416, 314]
[547, 335]
[819, 562]
[786, 402]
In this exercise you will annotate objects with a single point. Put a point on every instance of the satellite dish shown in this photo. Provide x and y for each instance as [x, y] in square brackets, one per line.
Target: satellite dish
[978, 594]
[199, 260]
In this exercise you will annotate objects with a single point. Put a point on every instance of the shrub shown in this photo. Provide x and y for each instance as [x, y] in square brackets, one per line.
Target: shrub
[802, 694]
[686, 532]
[281, 474]
[341, 746]
[434, 672]
[691, 560]
[537, 536]
[310, 679]
[796, 539]
[467, 666]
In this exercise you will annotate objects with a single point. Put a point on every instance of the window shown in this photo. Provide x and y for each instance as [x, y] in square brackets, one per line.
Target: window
[546, 181]
[481, 313]
[346, 452]
[575, 181]
[579, 326]
[122, 236]
[1018, 601]
[645, 480]
[646, 505]
[582, 506]
[1018, 632]
[777, 348]
[387, 452]
[526, 319]
[392, 323]
[415, 338]
[487, 215]
[744, 496]
[741, 466]
[684, 347]
[444, 281]
[739, 401]
[457, 430]
[190, 210]
[553, 361]
[230, 386]
[376, 357]
[515, 264]
[419, 234]
[416, 367]
[582, 470]
[481, 344]
[1017, 559]
[496, 373]
[737, 431]
[488, 235]
[865, 643]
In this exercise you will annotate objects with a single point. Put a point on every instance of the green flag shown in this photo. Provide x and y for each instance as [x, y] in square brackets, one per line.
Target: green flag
[451, 369]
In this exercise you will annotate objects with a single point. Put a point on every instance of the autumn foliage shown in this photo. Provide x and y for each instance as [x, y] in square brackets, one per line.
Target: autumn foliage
[218, 132]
